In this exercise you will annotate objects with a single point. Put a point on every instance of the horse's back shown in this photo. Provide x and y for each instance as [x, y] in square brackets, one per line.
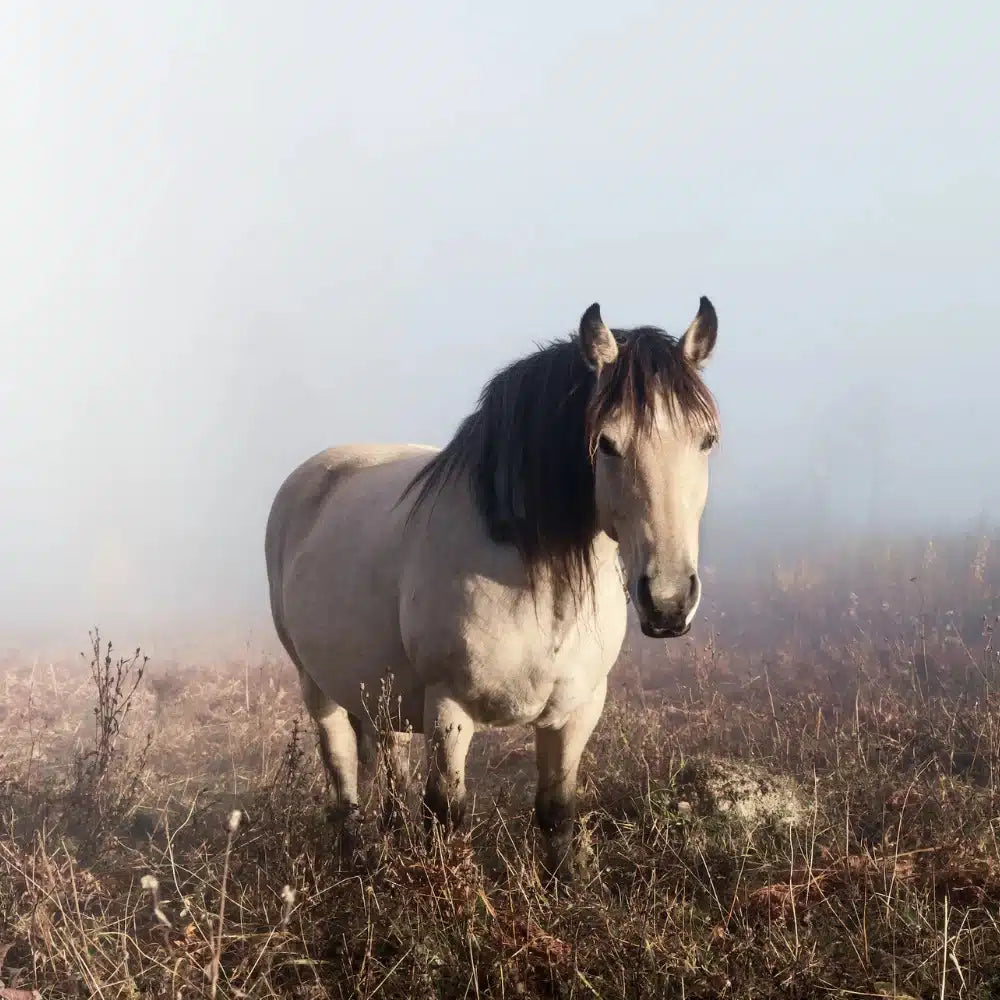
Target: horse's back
[329, 545]
[311, 485]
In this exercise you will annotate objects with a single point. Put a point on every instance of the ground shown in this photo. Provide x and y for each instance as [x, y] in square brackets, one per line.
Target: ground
[799, 800]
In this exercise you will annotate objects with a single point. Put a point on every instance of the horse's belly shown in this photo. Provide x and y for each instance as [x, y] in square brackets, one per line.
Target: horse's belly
[352, 651]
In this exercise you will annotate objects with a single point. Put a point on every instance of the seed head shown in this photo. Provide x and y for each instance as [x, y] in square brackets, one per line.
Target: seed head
[288, 901]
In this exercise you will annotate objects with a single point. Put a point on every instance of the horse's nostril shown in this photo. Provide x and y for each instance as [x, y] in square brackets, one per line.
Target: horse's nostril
[644, 592]
[693, 586]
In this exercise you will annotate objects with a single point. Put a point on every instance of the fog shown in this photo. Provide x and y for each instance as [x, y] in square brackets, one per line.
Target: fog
[235, 234]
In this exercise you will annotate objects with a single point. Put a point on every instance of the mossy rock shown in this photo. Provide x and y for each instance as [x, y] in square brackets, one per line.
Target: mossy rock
[740, 792]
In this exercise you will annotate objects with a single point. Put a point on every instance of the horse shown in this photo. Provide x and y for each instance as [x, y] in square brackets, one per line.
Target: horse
[490, 578]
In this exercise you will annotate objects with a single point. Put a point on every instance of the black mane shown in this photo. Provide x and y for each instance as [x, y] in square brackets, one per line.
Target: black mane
[528, 445]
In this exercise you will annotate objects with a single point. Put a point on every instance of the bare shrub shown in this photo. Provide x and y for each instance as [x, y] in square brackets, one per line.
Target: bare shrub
[105, 785]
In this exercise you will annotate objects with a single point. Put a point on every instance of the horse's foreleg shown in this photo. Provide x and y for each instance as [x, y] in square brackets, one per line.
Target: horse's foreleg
[558, 753]
[448, 729]
[338, 746]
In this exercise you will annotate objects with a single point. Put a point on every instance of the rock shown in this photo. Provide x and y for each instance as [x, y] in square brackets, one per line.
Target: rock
[739, 790]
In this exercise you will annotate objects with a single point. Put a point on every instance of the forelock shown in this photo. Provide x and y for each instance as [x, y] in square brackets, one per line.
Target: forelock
[651, 371]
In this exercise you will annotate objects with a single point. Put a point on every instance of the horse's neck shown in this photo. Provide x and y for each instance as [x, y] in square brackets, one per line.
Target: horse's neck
[608, 586]
[604, 555]
[454, 524]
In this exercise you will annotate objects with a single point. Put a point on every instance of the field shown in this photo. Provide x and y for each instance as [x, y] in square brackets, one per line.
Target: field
[801, 799]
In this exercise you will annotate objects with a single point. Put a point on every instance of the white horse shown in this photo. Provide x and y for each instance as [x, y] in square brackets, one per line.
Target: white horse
[485, 577]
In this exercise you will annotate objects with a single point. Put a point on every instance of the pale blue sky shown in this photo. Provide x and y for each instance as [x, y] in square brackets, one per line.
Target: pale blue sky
[233, 234]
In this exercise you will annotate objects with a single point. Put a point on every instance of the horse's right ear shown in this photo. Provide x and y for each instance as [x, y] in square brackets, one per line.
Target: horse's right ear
[597, 342]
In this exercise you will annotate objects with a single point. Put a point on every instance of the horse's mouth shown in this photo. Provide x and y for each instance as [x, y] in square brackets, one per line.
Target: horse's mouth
[663, 632]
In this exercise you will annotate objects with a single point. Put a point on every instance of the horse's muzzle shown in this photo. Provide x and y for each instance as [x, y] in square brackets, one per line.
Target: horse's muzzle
[663, 632]
[670, 618]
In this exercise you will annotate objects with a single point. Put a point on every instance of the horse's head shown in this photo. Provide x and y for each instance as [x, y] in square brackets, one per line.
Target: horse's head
[651, 426]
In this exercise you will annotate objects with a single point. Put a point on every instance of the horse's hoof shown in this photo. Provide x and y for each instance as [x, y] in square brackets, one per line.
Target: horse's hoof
[392, 818]
[563, 863]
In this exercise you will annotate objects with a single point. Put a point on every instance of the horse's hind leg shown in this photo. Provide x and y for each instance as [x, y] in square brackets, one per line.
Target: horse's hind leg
[387, 752]
[338, 746]
[396, 747]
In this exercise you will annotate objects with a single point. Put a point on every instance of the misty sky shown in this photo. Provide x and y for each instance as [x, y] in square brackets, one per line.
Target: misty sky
[233, 234]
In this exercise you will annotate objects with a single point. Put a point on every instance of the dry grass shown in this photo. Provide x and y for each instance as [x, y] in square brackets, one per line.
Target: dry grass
[803, 803]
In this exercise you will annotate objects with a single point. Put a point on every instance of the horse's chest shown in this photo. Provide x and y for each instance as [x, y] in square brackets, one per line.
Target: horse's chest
[514, 669]
[472, 627]
[517, 678]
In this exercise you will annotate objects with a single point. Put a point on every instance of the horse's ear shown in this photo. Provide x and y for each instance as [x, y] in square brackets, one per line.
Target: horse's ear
[699, 338]
[597, 342]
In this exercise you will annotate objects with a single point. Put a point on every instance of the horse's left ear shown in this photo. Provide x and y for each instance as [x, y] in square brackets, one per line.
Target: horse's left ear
[699, 338]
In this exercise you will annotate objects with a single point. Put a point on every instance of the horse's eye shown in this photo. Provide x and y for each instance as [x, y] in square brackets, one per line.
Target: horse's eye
[607, 447]
[709, 442]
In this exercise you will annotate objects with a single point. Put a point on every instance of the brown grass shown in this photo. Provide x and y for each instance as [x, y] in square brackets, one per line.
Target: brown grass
[865, 680]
